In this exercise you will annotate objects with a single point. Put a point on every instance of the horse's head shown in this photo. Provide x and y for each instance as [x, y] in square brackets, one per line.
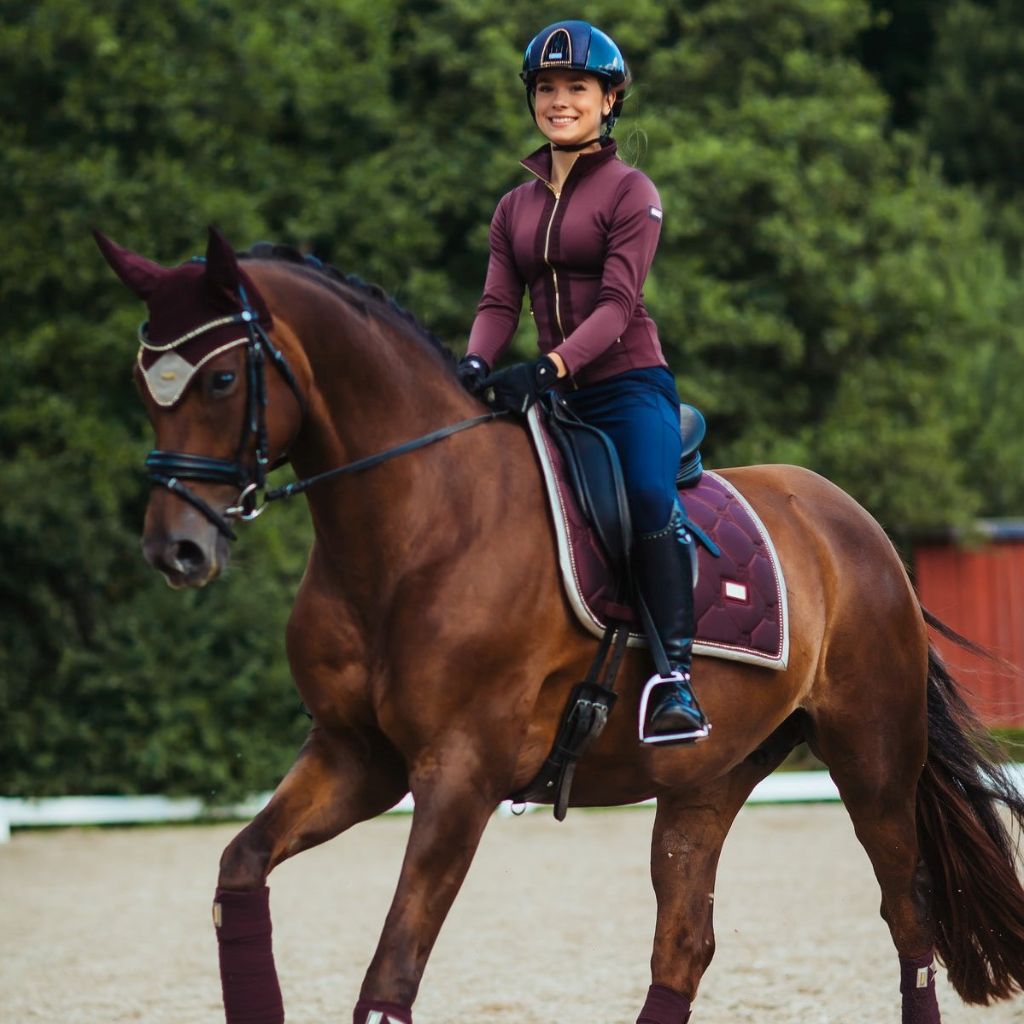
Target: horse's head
[201, 370]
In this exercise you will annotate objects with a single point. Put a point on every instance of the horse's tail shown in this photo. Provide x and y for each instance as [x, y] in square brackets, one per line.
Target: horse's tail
[977, 900]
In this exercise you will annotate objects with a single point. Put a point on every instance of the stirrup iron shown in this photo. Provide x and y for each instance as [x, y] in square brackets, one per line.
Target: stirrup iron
[689, 736]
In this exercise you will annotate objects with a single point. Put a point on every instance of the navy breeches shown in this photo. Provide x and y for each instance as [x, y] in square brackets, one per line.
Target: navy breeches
[639, 411]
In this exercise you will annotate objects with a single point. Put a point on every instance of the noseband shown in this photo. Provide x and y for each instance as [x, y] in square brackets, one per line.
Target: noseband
[168, 469]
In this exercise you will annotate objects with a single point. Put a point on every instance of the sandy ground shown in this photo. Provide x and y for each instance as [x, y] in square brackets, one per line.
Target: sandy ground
[554, 924]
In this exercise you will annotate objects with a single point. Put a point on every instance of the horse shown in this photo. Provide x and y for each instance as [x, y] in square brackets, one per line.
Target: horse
[433, 646]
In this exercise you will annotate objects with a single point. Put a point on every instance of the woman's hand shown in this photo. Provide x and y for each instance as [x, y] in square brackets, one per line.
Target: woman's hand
[517, 387]
[472, 371]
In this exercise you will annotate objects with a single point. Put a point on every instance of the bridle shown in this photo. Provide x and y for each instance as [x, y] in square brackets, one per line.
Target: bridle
[168, 468]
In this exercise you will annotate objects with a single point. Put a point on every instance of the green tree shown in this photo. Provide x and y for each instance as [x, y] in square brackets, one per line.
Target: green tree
[975, 93]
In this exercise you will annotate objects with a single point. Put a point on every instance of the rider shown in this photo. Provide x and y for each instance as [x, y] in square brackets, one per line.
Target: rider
[581, 235]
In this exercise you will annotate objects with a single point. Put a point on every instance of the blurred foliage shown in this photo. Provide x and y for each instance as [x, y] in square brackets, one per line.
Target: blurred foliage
[831, 290]
[974, 97]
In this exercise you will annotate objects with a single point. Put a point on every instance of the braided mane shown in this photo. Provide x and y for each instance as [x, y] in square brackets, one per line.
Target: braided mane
[376, 299]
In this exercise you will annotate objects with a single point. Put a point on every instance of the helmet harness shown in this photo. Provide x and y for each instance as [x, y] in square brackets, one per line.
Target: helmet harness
[576, 46]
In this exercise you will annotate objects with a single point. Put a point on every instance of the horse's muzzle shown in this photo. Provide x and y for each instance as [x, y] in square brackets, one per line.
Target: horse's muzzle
[186, 561]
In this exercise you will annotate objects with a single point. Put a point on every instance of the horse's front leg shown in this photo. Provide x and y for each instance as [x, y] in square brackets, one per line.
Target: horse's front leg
[455, 797]
[338, 780]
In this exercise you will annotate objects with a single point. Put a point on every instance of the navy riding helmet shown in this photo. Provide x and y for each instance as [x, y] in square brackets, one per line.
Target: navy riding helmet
[577, 46]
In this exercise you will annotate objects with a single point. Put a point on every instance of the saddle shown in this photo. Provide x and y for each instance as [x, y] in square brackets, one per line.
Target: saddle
[593, 471]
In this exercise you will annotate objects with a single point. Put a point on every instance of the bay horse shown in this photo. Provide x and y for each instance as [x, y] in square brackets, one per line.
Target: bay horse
[434, 648]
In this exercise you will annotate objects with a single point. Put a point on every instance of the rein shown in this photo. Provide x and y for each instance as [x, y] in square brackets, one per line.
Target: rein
[168, 468]
[375, 460]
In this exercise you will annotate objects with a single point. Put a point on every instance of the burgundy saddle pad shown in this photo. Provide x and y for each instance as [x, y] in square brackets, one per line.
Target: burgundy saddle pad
[739, 597]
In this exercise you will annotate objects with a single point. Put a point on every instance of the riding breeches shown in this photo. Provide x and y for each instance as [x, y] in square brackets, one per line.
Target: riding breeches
[639, 411]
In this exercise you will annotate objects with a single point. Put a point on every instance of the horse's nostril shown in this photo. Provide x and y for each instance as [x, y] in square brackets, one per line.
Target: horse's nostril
[186, 556]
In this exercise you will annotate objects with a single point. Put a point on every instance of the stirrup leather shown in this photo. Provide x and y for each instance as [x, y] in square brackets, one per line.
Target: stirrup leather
[690, 736]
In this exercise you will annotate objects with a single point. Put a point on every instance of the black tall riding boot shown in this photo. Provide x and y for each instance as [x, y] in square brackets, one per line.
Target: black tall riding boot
[664, 575]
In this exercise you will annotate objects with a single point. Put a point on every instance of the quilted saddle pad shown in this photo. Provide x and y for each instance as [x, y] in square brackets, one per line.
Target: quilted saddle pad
[739, 597]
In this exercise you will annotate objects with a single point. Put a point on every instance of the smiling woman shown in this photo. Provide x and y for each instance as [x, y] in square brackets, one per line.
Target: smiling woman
[582, 237]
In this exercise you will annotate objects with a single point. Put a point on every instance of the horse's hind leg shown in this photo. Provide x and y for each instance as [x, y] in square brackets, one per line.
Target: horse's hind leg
[689, 830]
[876, 762]
[337, 781]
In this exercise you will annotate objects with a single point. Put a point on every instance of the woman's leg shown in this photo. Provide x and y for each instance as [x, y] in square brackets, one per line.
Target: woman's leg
[640, 413]
[641, 416]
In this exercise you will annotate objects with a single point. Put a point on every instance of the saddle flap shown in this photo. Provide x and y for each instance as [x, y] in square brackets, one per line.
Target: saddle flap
[596, 477]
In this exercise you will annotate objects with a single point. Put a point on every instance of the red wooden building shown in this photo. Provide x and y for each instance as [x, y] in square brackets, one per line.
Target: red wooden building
[977, 587]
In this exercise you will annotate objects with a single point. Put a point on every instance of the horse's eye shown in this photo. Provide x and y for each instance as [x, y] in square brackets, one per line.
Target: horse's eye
[221, 381]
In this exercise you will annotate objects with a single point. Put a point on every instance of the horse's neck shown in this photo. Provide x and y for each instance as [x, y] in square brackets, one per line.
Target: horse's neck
[371, 391]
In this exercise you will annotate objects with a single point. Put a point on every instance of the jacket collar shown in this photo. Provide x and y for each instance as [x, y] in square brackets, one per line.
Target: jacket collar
[539, 161]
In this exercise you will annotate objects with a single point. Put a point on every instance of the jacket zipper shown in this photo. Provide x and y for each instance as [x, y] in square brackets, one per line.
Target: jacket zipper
[554, 273]
[547, 244]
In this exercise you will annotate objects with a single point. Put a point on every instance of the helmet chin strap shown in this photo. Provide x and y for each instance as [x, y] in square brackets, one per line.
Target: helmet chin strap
[606, 133]
[575, 147]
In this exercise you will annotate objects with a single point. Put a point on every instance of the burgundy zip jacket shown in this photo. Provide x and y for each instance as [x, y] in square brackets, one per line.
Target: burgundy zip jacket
[584, 254]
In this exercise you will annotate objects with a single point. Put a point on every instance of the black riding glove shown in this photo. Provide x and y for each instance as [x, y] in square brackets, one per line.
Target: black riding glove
[471, 372]
[519, 386]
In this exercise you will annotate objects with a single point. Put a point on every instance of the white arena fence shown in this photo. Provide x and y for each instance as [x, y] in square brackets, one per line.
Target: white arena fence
[65, 811]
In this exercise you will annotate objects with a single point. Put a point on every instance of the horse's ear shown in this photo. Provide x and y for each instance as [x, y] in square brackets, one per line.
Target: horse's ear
[221, 262]
[141, 275]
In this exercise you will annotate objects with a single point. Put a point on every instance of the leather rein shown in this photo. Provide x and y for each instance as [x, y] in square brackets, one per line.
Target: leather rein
[168, 468]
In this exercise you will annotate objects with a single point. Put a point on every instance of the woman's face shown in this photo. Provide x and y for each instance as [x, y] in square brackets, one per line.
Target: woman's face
[570, 106]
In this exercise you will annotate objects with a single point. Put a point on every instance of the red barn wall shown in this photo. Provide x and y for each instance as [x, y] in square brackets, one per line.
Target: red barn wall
[979, 591]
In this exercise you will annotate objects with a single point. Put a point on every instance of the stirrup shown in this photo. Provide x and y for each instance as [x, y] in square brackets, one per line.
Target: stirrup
[689, 736]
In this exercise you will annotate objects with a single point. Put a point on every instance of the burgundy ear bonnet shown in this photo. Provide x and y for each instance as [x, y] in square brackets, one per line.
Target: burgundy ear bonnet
[193, 311]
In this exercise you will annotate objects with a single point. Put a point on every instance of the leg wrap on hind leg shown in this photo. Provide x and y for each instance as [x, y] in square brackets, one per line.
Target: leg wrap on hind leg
[917, 986]
[248, 977]
[373, 1011]
[664, 1006]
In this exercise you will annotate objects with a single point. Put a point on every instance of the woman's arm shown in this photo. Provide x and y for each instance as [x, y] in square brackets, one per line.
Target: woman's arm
[497, 314]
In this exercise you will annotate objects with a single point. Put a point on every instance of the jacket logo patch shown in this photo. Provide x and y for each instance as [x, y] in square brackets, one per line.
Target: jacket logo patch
[654, 213]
